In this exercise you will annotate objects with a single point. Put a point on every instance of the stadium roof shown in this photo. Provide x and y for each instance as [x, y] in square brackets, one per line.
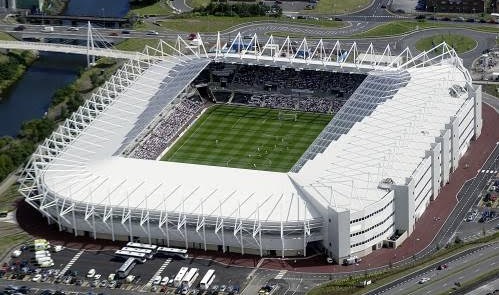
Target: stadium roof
[389, 143]
[81, 161]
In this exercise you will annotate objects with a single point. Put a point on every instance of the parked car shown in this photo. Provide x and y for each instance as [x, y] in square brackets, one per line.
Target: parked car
[91, 273]
[36, 278]
[156, 280]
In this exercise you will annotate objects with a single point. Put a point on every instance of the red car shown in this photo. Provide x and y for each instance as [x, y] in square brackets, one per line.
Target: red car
[191, 36]
[442, 266]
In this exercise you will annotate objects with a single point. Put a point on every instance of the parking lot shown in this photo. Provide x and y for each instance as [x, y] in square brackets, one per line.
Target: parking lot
[71, 267]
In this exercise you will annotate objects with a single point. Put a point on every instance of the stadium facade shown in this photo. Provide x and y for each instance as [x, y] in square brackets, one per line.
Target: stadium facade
[368, 176]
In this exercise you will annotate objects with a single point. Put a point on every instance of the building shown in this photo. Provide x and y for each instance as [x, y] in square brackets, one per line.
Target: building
[363, 183]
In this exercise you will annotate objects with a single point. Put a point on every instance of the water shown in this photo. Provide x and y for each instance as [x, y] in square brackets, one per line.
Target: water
[30, 97]
[102, 8]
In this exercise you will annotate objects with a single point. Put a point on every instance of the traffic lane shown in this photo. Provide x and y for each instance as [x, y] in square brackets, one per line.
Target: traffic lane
[441, 282]
[260, 278]
[471, 259]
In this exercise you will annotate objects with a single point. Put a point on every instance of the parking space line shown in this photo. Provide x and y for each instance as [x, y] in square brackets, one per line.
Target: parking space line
[159, 271]
[70, 263]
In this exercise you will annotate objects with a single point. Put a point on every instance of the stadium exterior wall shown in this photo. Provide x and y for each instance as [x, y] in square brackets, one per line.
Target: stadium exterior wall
[404, 204]
[342, 233]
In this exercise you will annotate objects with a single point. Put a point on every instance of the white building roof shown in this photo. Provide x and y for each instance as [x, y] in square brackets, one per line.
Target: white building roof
[389, 143]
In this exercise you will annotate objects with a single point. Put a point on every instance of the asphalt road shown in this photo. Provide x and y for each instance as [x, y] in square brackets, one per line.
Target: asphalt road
[461, 269]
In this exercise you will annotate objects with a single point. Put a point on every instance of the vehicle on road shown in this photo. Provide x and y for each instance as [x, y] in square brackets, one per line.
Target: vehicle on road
[423, 280]
[73, 29]
[113, 34]
[16, 253]
[125, 32]
[20, 28]
[48, 29]
[152, 33]
[442, 266]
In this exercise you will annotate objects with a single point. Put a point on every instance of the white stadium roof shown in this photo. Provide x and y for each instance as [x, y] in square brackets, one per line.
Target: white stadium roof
[88, 168]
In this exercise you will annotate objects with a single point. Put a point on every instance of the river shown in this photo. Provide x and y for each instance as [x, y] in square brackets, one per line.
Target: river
[103, 8]
[29, 98]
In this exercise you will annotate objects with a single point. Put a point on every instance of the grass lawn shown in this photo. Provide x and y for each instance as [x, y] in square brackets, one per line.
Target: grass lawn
[158, 8]
[460, 43]
[11, 235]
[8, 198]
[136, 44]
[247, 137]
[197, 3]
[6, 37]
[403, 27]
[203, 24]
[338, 6]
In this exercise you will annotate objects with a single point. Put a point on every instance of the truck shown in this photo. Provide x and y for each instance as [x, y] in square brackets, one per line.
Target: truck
[351, 260]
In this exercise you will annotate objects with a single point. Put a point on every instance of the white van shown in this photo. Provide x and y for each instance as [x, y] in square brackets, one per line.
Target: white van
[48, 29]
[44, 259]
[47, 264]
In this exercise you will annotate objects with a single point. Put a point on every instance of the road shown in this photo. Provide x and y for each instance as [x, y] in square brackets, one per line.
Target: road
[461, 269]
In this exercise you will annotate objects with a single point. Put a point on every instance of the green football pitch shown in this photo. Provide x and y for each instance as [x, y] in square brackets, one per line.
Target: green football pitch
[248, 137]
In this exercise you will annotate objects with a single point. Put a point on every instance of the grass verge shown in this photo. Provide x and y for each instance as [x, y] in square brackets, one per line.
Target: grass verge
[8, 198]
[338, 7]
[159, 8]
[210, 23]
[404, 27]
[460, 43]
[6, 37]
[11, 235]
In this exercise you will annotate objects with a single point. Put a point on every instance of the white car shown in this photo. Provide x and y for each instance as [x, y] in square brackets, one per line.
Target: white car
[152, 33]
[156, 280]
[111, 277]
[37, 278]
[97, 276]
[130, 278]
[74, 29]
[424, 280]
[164, 281]
[16, 253]
[91, 273]
[58, 248]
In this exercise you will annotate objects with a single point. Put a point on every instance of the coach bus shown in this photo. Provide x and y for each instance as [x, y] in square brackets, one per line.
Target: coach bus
[177, 281]
[190, 278]
[125, 268]
[207, 279]
[149, 253]
[140, 257]
[153, 248]
[182, 253]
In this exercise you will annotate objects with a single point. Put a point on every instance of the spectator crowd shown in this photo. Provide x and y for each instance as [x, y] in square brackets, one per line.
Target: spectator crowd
[167, 129]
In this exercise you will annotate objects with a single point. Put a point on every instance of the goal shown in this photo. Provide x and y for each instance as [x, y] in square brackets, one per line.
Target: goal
[287, 116]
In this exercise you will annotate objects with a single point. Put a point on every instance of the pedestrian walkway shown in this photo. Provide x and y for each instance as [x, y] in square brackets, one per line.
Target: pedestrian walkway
[70, 263]
[281, 274]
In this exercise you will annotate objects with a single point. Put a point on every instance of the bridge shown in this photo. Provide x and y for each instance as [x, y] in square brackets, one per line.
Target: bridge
[59, 19]
[65, 48]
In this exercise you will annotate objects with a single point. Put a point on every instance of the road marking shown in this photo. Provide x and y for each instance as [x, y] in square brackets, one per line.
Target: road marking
[70, 263]
[280, 274]
[159, 271]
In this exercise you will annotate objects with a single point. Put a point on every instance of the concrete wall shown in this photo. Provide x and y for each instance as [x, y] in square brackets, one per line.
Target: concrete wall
[404, 206]
[338, 237]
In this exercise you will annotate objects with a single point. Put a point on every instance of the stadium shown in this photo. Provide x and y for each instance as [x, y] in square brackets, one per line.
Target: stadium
[259, 147]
